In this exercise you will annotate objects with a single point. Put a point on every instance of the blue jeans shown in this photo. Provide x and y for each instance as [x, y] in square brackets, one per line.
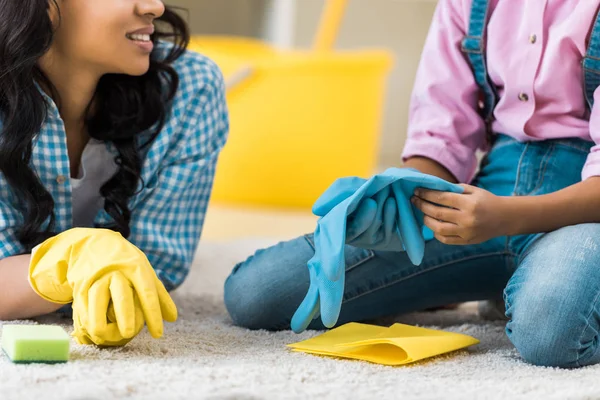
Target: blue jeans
[550, 282]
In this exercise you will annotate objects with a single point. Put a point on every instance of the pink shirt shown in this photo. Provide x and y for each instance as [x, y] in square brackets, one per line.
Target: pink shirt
[444, 124]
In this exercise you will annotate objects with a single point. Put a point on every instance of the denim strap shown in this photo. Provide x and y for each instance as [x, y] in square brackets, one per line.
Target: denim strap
[591, 64]
[473, 45]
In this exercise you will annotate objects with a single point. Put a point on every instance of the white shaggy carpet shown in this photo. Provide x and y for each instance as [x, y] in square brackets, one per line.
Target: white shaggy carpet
[204, 357]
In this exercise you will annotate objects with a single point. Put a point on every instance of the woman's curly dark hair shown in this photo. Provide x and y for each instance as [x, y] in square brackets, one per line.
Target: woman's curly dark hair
[124, 107]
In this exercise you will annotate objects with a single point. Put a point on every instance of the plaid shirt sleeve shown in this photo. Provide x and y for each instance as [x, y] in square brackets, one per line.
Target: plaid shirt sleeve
[10, 219]
[168, 215]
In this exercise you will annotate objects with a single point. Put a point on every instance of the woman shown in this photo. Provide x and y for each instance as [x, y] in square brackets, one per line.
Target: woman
[528, 224]
[109, 138]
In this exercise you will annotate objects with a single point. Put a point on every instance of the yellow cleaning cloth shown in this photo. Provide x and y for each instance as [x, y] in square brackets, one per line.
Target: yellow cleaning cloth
[397, 345]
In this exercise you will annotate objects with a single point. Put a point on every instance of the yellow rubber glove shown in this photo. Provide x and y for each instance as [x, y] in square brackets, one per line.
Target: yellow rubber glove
[91, 311]
[99, 271]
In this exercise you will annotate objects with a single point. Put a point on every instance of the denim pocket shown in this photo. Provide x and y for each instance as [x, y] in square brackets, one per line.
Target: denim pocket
[559, 168]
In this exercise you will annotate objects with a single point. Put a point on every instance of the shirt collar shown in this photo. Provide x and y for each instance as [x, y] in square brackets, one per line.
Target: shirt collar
[51, 105]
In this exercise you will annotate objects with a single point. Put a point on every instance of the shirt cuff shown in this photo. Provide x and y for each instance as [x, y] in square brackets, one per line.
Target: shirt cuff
[456, 158]
[592, 165]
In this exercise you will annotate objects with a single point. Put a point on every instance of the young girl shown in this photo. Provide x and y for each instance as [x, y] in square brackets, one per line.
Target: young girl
[527, 226]
[108, 143]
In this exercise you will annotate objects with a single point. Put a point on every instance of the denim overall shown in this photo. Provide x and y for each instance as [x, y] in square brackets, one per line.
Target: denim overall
[550, 282]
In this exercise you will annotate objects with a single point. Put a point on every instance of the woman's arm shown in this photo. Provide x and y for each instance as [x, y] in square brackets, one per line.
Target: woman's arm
[17, 298]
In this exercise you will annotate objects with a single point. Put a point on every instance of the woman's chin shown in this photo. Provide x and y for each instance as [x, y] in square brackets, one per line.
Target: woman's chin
[138, 68]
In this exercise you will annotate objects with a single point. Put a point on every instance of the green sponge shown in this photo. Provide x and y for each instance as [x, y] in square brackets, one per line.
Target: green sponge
[24, 344]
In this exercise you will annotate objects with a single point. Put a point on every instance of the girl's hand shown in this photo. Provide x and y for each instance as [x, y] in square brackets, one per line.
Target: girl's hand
[458, 219]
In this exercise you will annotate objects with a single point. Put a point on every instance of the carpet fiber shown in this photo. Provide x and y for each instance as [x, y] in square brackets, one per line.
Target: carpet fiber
[204, 357]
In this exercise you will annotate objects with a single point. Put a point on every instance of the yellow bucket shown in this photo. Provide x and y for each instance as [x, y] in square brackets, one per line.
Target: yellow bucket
[299, 120]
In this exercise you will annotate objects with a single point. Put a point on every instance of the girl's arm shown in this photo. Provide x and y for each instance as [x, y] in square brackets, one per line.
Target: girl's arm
[577, 204]
[17, 298]
[444, 124]
[430, 167]
[478, 215]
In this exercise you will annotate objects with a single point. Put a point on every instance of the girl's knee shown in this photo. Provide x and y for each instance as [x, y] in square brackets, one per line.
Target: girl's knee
[542, 345]
[247, 306]
[552, 299]
[264, 291]
[551, 331]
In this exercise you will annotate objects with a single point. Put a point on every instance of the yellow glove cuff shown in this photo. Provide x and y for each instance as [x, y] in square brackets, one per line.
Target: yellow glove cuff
[49, 283]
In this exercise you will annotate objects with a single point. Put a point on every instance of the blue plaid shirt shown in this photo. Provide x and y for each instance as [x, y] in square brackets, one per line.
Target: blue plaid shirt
[178, 171]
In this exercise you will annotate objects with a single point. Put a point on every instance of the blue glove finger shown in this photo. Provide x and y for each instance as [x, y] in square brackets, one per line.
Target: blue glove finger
[339, 191]
[387, 236]
[330, 241]
[332, 294]
[304, 315]
[374, 236]
[410, 231]
[309, 306]
[428, 234]
[361, 219]
[391, 221]
[374, 231]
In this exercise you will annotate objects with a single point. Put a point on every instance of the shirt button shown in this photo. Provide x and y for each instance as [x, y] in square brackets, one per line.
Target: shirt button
[523, 97]
[61, 179]
[532, 38]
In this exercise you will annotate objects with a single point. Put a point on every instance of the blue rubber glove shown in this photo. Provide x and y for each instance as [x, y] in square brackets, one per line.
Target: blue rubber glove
[375, 213]
[374, 223]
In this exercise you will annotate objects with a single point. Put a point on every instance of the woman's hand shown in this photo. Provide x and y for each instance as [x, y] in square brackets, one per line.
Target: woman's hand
[474, 216]
[110, 282]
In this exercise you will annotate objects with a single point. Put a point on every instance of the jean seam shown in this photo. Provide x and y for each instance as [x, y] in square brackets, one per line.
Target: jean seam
[542, 173]
[587, 325]
[507, 303]
[370, 255]
[505, 296]
[388, 284]
[310, 242]
[518, 177]
[507, 247]
[516, 186]
[578, 149]
[512, 261]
